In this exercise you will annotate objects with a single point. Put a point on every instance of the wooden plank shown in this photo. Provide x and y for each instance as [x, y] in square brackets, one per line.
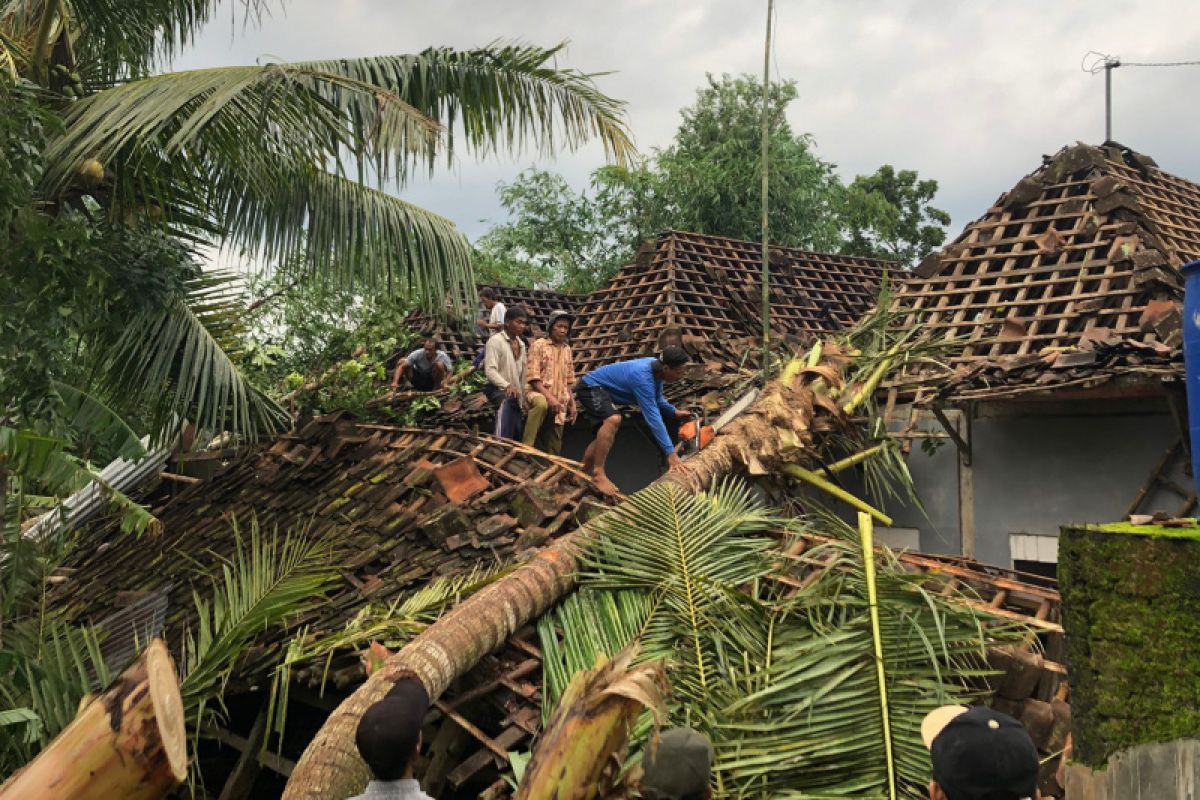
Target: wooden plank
[241, 780]
[464, 771]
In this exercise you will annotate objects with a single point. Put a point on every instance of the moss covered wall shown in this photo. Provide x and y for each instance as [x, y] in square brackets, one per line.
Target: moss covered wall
[1131, 607]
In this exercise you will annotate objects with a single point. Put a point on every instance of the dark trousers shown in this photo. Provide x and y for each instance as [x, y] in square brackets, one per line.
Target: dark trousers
[510, 422]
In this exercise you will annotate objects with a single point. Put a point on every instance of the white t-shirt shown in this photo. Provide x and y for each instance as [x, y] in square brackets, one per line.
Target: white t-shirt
[496, 317]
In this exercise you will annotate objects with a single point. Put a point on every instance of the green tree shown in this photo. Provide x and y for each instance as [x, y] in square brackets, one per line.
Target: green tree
[711, 176]
[888, 215]
[708, 180]
[569, 240]
[257, 158]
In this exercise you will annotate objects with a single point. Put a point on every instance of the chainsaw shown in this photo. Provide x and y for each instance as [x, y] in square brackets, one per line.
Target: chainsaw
[694, 435]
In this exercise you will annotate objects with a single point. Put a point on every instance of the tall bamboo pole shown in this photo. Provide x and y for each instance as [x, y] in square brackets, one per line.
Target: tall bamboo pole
[867, 534]
[766, 248]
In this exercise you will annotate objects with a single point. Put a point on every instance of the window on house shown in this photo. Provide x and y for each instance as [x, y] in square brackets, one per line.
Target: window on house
[1035, 554]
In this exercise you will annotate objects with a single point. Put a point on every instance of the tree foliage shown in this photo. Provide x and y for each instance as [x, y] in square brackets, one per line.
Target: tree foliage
[888, 215]
[784, 686]
[708, 180]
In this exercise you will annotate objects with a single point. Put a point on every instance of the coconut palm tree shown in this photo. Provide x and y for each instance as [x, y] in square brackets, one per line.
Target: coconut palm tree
[272, 159]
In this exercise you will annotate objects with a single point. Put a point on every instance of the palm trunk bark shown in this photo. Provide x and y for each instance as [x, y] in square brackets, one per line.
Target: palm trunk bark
[129, 742]
[777, 429]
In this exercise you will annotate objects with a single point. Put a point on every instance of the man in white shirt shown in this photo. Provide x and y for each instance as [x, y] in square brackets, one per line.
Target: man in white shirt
[496, 310]
[504, 365]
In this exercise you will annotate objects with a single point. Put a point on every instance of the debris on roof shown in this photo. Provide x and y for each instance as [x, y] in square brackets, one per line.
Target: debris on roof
[505, 689]
[1069, 281]
[404, 506]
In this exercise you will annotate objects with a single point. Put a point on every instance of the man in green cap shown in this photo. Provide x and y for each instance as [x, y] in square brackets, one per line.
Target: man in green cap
[679, 768]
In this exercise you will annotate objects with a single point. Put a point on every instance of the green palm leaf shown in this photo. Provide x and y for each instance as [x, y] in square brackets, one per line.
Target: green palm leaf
[171, 361]
[241, 152]
[270, 579]
[107, 435]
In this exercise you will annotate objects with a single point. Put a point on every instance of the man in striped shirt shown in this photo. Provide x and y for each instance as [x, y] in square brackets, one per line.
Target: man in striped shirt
[549, 378]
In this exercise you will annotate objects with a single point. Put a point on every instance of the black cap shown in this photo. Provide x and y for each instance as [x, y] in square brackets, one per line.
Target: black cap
[389, 731]
[674, 356]
[979, 753]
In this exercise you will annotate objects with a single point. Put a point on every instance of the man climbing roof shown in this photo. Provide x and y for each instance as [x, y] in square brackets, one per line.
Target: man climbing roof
[638, 382]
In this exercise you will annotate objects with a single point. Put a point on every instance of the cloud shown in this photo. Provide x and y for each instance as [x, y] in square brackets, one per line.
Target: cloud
[971, 94]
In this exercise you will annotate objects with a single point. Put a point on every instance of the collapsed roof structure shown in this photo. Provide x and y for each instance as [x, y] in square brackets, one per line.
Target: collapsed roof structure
[1070, 281]
[1058, 314]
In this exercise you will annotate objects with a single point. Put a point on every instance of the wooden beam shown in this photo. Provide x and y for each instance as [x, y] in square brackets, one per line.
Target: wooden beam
[241, 780]
[272, 761]
[966, 486]
[964, 447]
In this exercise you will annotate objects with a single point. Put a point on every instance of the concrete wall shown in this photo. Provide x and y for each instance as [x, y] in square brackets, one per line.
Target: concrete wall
[1035, 468]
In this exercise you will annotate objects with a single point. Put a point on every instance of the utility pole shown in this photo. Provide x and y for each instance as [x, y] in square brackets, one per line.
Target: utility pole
[766, 254]
[1109, 65]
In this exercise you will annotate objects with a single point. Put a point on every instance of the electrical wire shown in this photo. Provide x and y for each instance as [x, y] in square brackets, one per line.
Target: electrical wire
[1095, 62]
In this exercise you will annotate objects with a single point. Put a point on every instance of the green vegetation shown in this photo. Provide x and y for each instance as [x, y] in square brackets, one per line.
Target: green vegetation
[785, 686]
[1157, 531]
[1131, 599]
[708, 180]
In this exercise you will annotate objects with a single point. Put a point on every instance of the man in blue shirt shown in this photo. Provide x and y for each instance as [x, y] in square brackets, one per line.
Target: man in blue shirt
[631, 383]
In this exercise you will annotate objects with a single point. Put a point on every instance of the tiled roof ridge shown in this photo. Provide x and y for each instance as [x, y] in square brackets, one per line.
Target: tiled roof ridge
[789, 249]
[1110, 171]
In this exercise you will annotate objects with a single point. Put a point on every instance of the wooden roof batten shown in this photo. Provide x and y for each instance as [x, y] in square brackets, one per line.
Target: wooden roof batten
[1069, 281]
[701, 292]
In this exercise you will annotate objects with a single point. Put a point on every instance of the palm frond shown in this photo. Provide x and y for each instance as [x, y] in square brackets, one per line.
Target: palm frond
[362, 233]
[107, 435]
[502, 97]
[241, 152]
[128, 38]
[50, 667]
[270, 578]
[690, 554]
[169, 362]
[587, 625]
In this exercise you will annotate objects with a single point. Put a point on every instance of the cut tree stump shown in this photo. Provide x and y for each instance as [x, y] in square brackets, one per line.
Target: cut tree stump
[128, 742]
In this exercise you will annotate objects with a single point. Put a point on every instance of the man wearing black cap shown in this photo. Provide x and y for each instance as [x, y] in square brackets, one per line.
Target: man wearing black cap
[979, 754]
[638, 382]
[679, 768]
[389, 739]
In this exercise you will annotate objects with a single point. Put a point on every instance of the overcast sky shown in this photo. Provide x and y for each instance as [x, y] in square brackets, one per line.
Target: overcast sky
[968, 93]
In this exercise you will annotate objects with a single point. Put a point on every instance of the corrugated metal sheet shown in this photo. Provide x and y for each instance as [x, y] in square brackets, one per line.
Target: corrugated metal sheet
[122, 474]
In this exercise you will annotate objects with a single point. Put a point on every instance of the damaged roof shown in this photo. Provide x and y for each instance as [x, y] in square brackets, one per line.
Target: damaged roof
[401, 506]
[1070, 280]
[700, 292]
[461, 343]
[708, 289]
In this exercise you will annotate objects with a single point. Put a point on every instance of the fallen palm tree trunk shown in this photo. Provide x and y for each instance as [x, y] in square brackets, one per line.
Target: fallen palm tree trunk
[778, 429]
[588, 733]
[128, 742]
